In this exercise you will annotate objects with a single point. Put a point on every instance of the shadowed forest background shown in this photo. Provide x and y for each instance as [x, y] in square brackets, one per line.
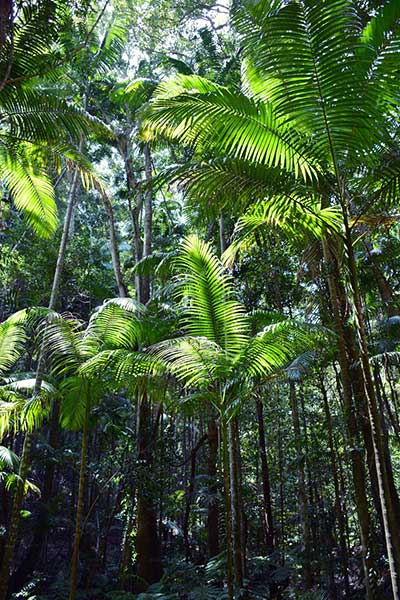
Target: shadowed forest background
[199, 300]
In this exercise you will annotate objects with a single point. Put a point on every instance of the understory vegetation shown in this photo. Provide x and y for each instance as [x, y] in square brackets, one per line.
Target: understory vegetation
[199, 300]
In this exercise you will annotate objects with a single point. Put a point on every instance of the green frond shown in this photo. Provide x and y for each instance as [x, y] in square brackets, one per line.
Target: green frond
[77, 394]
[8, 460]
[223, 182]
[378, 50]
[297, 215]
[138, 92]
[28, 386]
[384, 181]
[210, 118]
[31, 116]
[12, 339]
[62, 339]
[301, 57]
[271, 349]
[18, 413]
[31, 191]
[122, 368]
[193, 360]
[209, 308]
[117, 324]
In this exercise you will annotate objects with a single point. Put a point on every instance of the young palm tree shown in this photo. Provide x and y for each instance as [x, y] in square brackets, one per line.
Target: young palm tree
[218, 357]
[122, 362]
[114, 334]
[311, 136]
[22, 408]
[68, 346]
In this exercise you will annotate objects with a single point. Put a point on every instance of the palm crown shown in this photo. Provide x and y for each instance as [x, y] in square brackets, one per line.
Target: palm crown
[313, 128]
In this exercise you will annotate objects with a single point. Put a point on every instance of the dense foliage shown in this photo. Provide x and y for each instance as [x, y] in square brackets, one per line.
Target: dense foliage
[199, 300]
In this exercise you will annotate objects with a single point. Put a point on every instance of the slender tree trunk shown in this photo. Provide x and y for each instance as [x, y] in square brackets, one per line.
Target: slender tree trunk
[65, 235]
[189, 496]
[384, 287]
[126, 553]
[228, 514]
[302, 493]
[212, 511]
[147, 220]
[236, 513]
[122, 291]
[266, 488]
[15, 517]
[25, 458]
[148, 548]
[338, 505]
[339, 305]
[79, 507]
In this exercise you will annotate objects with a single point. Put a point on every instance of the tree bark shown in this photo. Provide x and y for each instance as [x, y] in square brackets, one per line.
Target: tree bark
[212, 510]
[387, 497]
[228, 512]
[189, 496]
[25, 459]
[268, 526]
[236, 513]
[79, 507]
[148, 547]
[302, 492]
[122, 291]
[15, 517]
[339, 310]
[147, 220]
[338, 504]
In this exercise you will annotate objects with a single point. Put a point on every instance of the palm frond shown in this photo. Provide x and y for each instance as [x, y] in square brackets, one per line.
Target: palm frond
[293, 213]
[12, 339]
[208, 117]
[210, 310]
[8, 459]
[301, 57]
[18, 413]
[191, 359]
[122, 368]
[117, 324]
[31, 191]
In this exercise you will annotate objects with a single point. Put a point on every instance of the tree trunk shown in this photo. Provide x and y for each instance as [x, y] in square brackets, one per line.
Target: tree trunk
[148, 548]
[79, 507]
[147, 220]
[15, 517]
[338, 504]
[228, 513]
[212, 510]
[236, 513]
[266, 488]
[189, 496]
[25, 459]
[302, 493]
[388, 500]
[122, 291]
[339, 309]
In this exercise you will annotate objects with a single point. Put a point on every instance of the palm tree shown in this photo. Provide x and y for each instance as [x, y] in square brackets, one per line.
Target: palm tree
[121, 362]
[114, 333]
[38, 127]
[312, 135]
[22, 408]
[218, 358]
[68, 346]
